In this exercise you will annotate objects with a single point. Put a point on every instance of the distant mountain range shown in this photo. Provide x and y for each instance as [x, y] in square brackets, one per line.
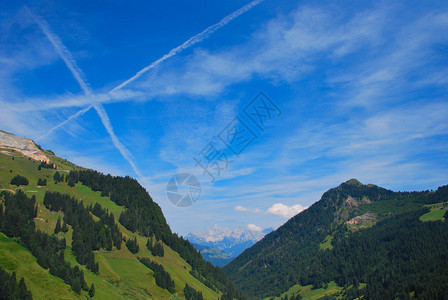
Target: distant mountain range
[231, 242]
[69, 232]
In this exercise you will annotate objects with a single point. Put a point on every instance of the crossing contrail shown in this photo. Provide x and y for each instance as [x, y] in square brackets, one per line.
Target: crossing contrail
[81, 112]
[190, 42]
[67, 57]
[187, 44]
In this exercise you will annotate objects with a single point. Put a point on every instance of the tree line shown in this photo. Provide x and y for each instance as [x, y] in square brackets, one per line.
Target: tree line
[163, 278]
[11, 289]
[144, 216]
[88, 235]
[16, 221]
[191, 294]
[156, 248]
[45, 165]
[132, 245]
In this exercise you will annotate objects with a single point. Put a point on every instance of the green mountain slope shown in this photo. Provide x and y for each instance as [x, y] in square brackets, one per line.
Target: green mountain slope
[362, 240]
[123, 207]
[214, 255]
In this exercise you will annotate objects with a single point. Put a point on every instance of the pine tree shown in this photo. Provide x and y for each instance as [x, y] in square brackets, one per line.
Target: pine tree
[19, 180]
[58, 228]
[92, 290]
[132, 245]
[23, 292]
[42, 182]
[158, 249]
[149, 245]
[64, 226]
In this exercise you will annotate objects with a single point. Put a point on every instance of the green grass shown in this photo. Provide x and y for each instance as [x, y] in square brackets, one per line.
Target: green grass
[332, 289]
[120, 278]
[171, 261]
[215, 253]
[433, 215]
[326, 244]
[60, 163]
[43, 285]
[308, 293]
[121, 275]
[437, 212]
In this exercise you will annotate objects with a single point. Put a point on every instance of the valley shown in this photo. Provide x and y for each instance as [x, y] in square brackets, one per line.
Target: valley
[345, 246]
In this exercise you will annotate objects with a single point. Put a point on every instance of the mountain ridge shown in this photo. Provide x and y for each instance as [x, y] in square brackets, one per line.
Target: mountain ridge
[299, 251]
[231, 241]
[71, 196]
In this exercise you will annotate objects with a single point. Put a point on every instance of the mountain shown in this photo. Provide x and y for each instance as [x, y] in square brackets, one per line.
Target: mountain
[357, 241]
[214, 255]
[69, 232]
[267, 230]
[232, 242]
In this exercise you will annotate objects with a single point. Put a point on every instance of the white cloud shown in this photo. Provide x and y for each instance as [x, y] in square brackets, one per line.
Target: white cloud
[253, 227]
[282, 210]
[253, 210]
[241, 208]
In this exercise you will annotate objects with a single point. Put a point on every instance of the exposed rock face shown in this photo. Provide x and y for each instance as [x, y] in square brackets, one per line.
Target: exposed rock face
[21, 145]
[366, 200]
[351, 202]
[362, 221]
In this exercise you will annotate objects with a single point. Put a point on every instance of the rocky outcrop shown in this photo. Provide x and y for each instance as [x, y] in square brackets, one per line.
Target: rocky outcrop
[351, 202]
[362, 221]
[22, 145]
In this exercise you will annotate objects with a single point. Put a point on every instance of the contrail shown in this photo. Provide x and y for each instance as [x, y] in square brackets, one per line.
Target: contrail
[62, 51]
[187, 44]
[81, 112]
[123, 150]
[67, 57]
[190, 42]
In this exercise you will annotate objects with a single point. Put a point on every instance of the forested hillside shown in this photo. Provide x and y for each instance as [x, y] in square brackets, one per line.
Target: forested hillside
[86, 234]
[77, 233]
[367, 240]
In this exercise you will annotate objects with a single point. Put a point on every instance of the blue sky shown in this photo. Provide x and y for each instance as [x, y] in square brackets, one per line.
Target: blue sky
[362, 89]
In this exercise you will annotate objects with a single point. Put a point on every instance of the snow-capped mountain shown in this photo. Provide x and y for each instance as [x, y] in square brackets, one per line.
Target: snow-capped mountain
[231, 241]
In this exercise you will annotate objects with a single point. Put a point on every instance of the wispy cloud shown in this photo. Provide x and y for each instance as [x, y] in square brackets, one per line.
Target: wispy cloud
[187, 44]
[79, 113]
[360, 100]
[286, 49]
[67, 57]
[242, 208]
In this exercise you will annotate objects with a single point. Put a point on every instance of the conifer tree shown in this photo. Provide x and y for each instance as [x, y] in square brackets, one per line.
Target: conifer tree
[92, 290]
[58, 227]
